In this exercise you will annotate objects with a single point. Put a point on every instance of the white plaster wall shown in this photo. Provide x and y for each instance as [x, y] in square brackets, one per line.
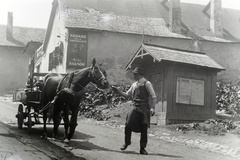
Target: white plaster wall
[57, 34]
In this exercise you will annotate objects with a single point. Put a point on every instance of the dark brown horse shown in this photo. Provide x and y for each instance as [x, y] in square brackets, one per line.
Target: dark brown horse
[66, 93]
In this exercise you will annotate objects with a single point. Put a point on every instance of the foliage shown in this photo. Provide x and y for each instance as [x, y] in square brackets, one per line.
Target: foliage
[228, 97]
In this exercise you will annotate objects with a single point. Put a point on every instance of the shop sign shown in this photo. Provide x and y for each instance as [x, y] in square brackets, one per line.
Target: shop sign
[77, 49]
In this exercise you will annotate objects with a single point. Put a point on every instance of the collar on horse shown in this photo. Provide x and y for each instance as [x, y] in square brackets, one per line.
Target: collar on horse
[91, 74]
[67, 86]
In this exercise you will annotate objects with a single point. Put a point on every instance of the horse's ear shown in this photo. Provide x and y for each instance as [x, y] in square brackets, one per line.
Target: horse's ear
[93, 62]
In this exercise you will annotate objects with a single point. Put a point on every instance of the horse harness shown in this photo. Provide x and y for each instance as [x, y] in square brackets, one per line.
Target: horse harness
[70, 91]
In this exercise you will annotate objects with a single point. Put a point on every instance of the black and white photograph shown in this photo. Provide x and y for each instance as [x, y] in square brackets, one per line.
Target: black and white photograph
[119, 79]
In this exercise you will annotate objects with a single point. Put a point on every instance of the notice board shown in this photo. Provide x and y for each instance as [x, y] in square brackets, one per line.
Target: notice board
[190, 91]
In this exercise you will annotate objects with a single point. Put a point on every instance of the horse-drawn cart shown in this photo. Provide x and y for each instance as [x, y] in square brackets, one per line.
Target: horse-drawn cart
[64, 91]
[29, 100]
[29, 109]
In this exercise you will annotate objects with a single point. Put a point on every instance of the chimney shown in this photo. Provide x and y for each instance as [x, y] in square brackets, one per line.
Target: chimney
[175, 16]
[216, 18]
[9, 33]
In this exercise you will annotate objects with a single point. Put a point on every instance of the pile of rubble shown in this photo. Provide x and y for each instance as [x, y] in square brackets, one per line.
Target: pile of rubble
[94, 103]
[210, 126]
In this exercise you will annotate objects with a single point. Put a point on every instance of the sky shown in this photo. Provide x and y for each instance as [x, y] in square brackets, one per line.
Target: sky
[26, 13]
[36, 13]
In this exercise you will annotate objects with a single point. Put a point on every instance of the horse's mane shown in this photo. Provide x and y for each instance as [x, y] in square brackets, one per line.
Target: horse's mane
[80, 70]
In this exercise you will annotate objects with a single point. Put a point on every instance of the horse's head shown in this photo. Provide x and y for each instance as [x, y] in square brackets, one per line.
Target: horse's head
[98, 75]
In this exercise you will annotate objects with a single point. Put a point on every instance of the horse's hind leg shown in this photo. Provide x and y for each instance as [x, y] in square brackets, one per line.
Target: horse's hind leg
[66, 122]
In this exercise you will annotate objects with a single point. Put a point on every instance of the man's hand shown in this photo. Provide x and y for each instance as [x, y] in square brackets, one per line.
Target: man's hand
[152, 112]
[118, 91]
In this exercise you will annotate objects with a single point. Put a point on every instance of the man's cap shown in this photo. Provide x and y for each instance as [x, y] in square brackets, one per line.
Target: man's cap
[138, 70]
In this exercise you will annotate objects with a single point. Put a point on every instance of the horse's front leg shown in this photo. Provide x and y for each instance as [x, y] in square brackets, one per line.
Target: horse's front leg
[73, 123]
[66, 122]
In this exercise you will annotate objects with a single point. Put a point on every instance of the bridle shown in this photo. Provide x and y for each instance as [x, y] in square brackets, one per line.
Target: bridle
[92, 75]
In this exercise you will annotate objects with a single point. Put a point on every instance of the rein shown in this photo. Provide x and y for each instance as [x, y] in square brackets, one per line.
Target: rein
[68, 84]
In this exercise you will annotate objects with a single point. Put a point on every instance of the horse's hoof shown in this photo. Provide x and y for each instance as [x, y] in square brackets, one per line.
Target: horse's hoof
[66, 141]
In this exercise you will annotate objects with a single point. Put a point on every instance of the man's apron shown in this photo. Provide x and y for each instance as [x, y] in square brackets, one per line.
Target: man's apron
[140, 113]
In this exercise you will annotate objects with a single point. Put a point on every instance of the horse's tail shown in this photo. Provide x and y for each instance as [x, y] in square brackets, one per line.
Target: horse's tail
[50, 112]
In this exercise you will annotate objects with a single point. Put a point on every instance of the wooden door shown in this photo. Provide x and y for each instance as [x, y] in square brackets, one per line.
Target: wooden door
[157, 82]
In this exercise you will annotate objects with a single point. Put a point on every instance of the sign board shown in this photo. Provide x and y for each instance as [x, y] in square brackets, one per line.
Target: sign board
[77, 49]
[190, 91]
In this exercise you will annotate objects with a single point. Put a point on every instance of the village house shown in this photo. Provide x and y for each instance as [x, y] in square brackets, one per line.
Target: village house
[112, 32]
[13, 63]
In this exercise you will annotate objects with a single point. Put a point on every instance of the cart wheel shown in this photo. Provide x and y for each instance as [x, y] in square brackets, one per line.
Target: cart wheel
[29, 123]
[20, 116]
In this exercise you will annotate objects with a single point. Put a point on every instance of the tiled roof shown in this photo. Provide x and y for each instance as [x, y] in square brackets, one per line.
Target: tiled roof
[131, 8]
[93, 19]
[21, 36]
[199, 22]
[187, 57]
[192, 16]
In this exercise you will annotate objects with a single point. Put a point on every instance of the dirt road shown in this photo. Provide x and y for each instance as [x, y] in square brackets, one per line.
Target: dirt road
[97, 142]
[101, 142]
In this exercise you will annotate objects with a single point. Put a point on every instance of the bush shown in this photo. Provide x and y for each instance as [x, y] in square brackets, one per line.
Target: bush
[228, 97]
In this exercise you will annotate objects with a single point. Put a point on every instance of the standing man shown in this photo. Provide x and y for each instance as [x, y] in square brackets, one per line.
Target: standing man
[138, 119]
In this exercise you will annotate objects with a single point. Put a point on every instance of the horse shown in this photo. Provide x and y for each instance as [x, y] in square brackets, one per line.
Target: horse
[65, 93]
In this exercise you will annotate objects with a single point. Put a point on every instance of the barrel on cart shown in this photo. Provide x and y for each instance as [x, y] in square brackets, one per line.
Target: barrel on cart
[29, 108]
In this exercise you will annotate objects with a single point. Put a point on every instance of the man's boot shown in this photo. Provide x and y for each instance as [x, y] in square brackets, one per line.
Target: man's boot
[143, 151]
[124, 147]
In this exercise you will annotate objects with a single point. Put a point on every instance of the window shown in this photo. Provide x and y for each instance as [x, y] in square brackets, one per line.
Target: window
[190, 91]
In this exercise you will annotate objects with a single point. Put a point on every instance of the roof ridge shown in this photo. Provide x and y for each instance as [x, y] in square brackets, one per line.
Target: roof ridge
[176, 49]
[3, 25]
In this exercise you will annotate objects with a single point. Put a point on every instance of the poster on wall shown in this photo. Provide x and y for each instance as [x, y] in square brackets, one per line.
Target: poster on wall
[197, 92]
[77, 49]
[183, 91]
[190, 91]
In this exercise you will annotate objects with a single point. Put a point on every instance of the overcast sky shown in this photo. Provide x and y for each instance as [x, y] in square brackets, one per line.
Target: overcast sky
[35, 13]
